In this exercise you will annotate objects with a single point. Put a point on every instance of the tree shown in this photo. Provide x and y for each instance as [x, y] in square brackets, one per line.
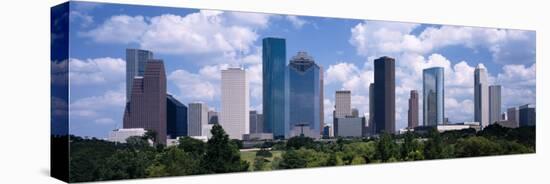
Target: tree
[191, 145]
[260, 163]
[221, 154]
[173, 162]
[433, 148]
[151, 135]
[477, 146]
[410, 148]
[264, 153]
[137, 143]
[298, 142]
[292, 159]
[386, 148]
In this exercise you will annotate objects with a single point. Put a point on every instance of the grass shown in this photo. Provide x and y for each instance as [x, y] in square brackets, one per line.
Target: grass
[250, 155]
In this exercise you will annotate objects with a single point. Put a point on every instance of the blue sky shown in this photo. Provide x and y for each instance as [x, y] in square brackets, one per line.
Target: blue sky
[196, 44]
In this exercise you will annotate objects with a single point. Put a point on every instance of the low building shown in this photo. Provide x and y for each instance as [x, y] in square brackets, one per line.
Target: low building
[328, 132]
[507, 123]
[120, 135]
[349, 127]
[258, 136]
[206, 130]
[201, 138]
[527, 116]
[450, 127]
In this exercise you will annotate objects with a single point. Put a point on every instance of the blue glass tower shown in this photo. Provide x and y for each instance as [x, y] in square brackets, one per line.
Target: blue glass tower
[433, 96]
[274, 68]
[304, 93]
[176, 120]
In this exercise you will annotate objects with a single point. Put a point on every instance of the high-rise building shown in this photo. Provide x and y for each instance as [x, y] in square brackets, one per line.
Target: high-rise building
[413, 110]
[433, 96]
[256, 122]
[527, 115]
[147, 106]
[213, 117]
[342, 103]
[371, 108]
[513, 115]
[327, 131]
[197, 119]
[494, 103]
[176, 118]
[481, 97]
[234, 115]
[304, 103]
[349, 127]
[274, 69]
[135, 67]
[384, 95]
[321, 100]
[354, 112]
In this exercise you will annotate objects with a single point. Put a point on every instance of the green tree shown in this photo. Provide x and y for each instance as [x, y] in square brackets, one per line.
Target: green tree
[410, 146]
[151, 135]
[259, 163]
[173, 162]
[298, 142]
[433, 148]
[386, 148]
[477, 146]
[192, 145]
[222, 155]
[264, 153]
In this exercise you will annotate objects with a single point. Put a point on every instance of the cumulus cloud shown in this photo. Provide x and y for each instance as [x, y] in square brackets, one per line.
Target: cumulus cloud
[99, 109]
[296, 21]
[96, 71]
[192, 86]
[83, 19]
[118, 29]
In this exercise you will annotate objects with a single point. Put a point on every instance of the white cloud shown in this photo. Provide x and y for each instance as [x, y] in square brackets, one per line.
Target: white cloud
[96, 71]
[83, 19]
[518, 75]
[109, 99]
[118, 29]
[105, 121]
[192, 86]
[296, 21]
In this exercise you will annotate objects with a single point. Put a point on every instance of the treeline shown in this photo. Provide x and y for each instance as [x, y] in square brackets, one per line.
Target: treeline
[303, 152]
[96, 160]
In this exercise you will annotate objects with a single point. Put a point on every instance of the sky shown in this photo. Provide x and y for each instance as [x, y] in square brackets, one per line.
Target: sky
[196, 44]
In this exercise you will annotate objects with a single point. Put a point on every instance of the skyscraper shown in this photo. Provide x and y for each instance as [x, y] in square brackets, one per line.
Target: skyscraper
[274, 68]
[413, 110]
[197, 119]
[213, 117]
[234, 115]
[494, 103]
[321, 100]
[304, 103]
[384, 95]
[354, 112]
[370, 123]
[256, 122]
[481, 97]
[433, 96]
[342, 103]
[527, 115]
[147, 106]
[135, 66]
[513, 115]
[176, 120]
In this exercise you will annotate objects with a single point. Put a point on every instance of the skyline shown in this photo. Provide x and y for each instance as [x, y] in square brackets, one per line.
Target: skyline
[349, 66]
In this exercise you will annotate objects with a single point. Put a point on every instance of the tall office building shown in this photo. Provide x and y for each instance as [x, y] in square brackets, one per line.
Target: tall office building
[235, 102]
[371, 108]
[513, 115]
[354, 112]
[494, 103]
[384, 95]
[433, 96]
[321, 100]
[176, 118]
[342, 103]
[527, 115]
[256, 122]
[274, 68]
[147, 106]
[304, 103]
[135, 67]
[213, 117]
[481, 97]
[197, 119]
[413, 110]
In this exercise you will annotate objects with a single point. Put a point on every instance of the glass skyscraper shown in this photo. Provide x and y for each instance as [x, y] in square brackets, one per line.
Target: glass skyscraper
[384, 95]
[176, 117]
[135, 66]
[304, 93]
[274, 68]
[434, 96]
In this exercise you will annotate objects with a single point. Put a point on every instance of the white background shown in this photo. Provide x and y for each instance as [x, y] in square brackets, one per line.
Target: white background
[24, 92]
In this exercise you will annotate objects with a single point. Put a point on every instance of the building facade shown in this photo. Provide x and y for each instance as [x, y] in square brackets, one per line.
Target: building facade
[176, 118]
[304, 96]
[527, 115]
[213, 117]
[274, 69]
[384, 95]
[513, 115]
[433, 96]
[349, 127]
[197, 118]
[342, 103]
[147, 106]
[494, 103]
[481, 97]
[135, 67]
[234, 115]
[256, 122]
[412, 113]
[120, 135]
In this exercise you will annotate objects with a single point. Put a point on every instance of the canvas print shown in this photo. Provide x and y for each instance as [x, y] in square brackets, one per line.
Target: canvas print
[146, 91]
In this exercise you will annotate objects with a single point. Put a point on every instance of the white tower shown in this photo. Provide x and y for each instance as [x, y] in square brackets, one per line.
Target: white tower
[234, 115]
